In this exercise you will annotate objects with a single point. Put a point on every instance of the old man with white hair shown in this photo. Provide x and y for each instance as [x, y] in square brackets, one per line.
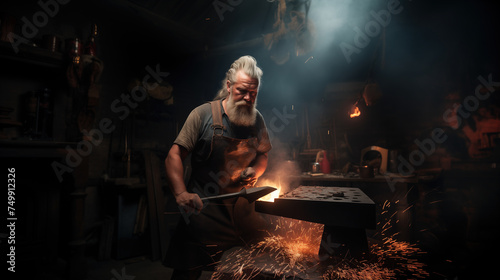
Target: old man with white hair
[228, 142]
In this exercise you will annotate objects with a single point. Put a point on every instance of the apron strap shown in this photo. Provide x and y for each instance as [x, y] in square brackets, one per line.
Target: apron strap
[216, 123]
[217, 117]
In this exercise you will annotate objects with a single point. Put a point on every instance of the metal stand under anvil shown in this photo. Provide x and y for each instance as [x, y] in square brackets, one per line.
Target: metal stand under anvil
[345, 212]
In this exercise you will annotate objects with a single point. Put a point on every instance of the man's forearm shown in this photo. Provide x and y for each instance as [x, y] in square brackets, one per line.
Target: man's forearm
[260, 164]
[188, 202]
[175, 170]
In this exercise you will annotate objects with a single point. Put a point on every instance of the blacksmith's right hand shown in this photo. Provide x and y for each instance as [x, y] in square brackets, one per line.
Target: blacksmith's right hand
[189, 202]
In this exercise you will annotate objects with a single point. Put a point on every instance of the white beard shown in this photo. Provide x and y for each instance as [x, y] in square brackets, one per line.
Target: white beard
[239, 113]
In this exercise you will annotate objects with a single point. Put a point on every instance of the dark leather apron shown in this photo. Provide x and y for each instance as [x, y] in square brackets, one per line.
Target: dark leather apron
[200, 239]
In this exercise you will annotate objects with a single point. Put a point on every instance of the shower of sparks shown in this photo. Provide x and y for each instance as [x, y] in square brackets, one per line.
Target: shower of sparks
[359, 271]
[291, 251]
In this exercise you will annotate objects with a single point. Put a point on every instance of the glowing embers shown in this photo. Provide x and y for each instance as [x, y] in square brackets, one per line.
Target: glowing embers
[270, 197]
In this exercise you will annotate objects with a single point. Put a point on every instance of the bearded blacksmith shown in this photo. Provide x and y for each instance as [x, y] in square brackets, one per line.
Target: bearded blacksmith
[228, 142]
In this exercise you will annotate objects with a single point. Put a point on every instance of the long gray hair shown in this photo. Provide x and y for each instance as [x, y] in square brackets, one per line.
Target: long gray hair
[249, 66]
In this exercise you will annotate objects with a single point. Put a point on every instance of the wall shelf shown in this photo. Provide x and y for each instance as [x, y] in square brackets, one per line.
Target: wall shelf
[31, 55]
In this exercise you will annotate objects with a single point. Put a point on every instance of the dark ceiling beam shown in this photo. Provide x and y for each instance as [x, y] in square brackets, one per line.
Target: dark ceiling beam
[236, 46]
[189, 37]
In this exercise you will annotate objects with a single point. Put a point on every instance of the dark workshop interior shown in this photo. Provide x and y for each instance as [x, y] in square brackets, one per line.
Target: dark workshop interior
[389, 110]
